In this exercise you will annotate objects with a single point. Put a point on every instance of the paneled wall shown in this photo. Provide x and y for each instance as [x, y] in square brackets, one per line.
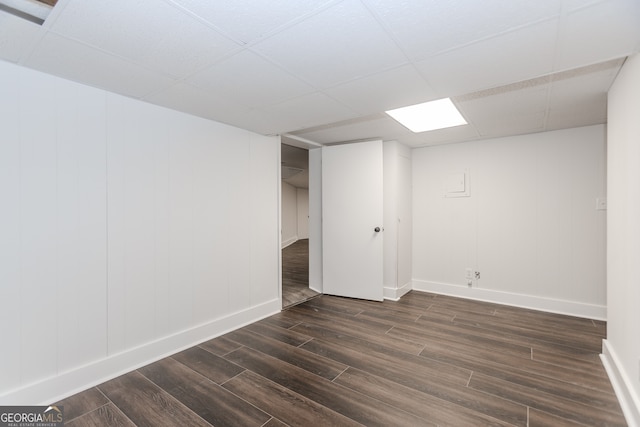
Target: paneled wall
[128, 231]
[397, 219]
[529, 225]
[622, 346]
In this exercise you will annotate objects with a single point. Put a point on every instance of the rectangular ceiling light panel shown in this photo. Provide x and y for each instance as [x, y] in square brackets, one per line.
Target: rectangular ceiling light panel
[32, 10]
[431, 115]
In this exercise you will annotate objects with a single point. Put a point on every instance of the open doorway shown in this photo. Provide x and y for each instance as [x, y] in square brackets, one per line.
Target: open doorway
[295, 226]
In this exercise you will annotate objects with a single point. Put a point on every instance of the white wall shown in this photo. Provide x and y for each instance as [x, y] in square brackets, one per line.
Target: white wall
[397, 219]
[302, 199]
[128, 232]
[622, 346]
[315, 219]
[529, 226]
[289, 214]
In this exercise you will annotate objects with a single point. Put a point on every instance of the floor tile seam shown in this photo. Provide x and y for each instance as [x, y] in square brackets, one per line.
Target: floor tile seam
[171, 396]
[292, 365]
[343, 371]
[323, 379]
[380, 349]
[293, 326]
[508, 335]
[204, 376]
[434, 397]
[387, 360]
[558, 416]
[209, 351]
[544, 394]
[337, 311]
[370, 315]
[507, 399]
[303, 397]
[521, 329]
[578, 370]
[420, 344]
[525, 370]
[263, 410]
[375, 399]
[112, 403]
[312, 354]
[358, 335]
[456, 340]
[272, 338]
[109, 402]
[524, 373]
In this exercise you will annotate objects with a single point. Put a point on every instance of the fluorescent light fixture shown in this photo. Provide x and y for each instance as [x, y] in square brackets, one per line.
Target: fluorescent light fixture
[35, 11]
[431, 115]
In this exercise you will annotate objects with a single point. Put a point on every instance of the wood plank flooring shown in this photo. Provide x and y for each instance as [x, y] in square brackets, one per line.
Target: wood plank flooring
[426, 360]
[295, 274]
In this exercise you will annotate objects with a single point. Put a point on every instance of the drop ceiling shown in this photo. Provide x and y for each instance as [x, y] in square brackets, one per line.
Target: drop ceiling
[325, 71]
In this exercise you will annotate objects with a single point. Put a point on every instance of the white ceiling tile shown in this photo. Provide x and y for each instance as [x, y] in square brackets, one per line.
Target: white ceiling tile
[384, 91]
[508, 58]
[193, 100]
[339, 44]
[448, 135]
[250, 80]
[602, 31]
[502, 104]
[150, 32]
[512, 125]
[74, 61]
[424, 28]
[250, 20]
[502, 113]
[17, 36]
[589, 87]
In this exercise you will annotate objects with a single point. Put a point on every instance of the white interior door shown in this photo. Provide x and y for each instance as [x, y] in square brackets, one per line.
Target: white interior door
[352, 204]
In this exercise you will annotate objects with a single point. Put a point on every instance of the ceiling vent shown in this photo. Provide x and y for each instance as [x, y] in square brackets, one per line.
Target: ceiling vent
[35, 11]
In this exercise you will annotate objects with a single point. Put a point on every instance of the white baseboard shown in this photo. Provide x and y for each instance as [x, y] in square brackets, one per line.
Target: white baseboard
[315, 289]
[288, 242]
[54, 389]
[622, 385]
[394, 294]
[570, 308]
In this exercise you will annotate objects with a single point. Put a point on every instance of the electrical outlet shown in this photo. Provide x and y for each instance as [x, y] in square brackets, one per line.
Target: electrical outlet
[477, 275]
[469, 274]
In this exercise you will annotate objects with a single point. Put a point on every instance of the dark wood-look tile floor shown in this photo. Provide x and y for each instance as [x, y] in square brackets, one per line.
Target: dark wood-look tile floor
[295, 274]
[426, 360]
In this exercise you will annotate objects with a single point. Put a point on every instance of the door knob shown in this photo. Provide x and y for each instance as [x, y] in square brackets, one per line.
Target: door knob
[377, 229]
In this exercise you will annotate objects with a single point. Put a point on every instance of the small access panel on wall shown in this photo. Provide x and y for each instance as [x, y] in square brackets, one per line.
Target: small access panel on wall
[456, 184]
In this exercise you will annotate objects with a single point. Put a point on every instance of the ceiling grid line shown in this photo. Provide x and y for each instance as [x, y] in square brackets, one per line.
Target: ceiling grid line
[326, 71]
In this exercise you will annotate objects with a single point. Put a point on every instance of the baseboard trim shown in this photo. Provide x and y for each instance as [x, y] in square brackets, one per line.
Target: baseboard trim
[394, 294]
[54, 389]
[589, 311]
[288, 242]
[629, 400]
